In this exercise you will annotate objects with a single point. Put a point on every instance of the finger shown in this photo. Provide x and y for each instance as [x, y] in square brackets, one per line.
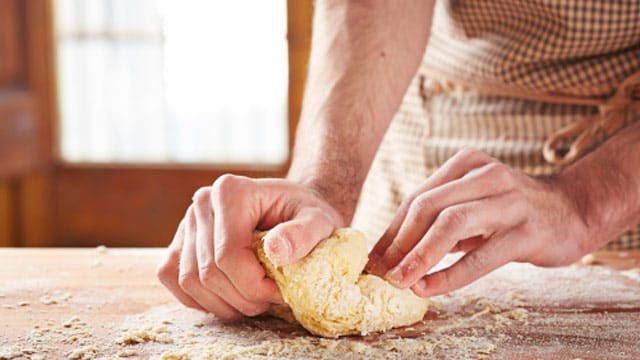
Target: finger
[237, 211]
[290, 241]
[189, 279]
[470, 244]
[474, 265]
[485, 218]
[168, 270]
[489, 180]
[203, 212]
[454, 168]
[211, 278]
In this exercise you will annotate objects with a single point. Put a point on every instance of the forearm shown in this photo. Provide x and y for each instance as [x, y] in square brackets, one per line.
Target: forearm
[364, 54]
[606, 186]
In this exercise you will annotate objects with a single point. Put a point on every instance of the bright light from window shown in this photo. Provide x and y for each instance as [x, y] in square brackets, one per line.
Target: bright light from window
[172, 81]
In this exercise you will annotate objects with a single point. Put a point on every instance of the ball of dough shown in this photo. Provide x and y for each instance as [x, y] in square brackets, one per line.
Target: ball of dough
[330, 296]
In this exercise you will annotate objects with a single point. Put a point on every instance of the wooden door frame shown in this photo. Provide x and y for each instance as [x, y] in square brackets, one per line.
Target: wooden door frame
[83, 204]
[28, 116]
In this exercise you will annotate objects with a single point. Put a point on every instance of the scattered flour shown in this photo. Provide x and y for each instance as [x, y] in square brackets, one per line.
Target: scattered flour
[265, 337]
[633, 274]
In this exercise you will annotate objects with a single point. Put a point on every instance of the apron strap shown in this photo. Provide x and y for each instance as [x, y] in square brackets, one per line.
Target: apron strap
[581, 135]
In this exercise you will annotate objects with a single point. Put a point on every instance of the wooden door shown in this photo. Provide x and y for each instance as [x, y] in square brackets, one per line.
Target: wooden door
[45, 201]
[26, 119]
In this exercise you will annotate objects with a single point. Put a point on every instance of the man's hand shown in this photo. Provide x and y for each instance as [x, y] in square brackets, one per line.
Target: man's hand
[493, 213]
[210, 264]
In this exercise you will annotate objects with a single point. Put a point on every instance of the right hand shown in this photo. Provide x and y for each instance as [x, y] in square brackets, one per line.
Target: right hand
[210, 264]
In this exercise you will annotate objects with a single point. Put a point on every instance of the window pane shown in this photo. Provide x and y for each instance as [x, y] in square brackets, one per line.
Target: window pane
[172, 81]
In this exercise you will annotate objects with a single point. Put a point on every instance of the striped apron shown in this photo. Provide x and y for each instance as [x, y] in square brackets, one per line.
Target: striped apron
[534, 84]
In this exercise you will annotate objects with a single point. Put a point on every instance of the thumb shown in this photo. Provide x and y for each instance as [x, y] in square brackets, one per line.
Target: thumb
[292, 240]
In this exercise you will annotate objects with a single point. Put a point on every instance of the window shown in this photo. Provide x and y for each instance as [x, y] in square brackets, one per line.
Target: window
[191, 81]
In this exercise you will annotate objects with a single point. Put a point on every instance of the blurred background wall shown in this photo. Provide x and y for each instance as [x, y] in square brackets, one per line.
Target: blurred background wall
[112, 112]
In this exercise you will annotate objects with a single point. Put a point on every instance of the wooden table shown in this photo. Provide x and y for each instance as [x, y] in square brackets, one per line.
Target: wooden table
[97, 303]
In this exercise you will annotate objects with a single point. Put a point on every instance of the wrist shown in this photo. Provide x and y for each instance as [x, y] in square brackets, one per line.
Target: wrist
[604, 184]
[575, 189]
[340, 191]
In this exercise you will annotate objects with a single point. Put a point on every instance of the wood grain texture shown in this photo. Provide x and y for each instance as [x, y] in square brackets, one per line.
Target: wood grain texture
[36, 224]
[589, 312]
[127, 206]
[27, 110]
[34, 217]
[11, 60]
[7, 217]
[40, 71]
[299, 27]
[19, 134]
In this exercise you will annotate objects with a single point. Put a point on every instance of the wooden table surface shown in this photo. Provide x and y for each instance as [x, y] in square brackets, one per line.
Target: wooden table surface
[91, 304]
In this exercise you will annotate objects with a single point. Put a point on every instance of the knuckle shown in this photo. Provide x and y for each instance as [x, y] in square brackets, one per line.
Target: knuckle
[208, 276]
[453, 218]
[225, 184]
[395, 251]
[167, 268]
[469, 155]
[516, 197]
[222, 255]
[202, 195]
[187, 281]
[420, 261]
[499, 173]
[422, 205]
[475, 261]
[163, 271]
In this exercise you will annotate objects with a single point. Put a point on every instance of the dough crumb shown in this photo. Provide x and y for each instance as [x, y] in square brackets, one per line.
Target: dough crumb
[127, 353]
[73, 322]
[85, 353]
[174, 356]
[147, 334]
[101, 249]
[8, 353]
[588, 259]
[47, 300]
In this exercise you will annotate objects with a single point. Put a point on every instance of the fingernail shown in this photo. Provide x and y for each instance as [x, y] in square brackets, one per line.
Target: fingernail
[395, 275]
[280, 250]
[373, 266]
[278, 300]
[421, 285]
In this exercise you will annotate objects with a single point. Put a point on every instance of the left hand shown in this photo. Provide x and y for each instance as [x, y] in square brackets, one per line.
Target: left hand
[493, 213]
